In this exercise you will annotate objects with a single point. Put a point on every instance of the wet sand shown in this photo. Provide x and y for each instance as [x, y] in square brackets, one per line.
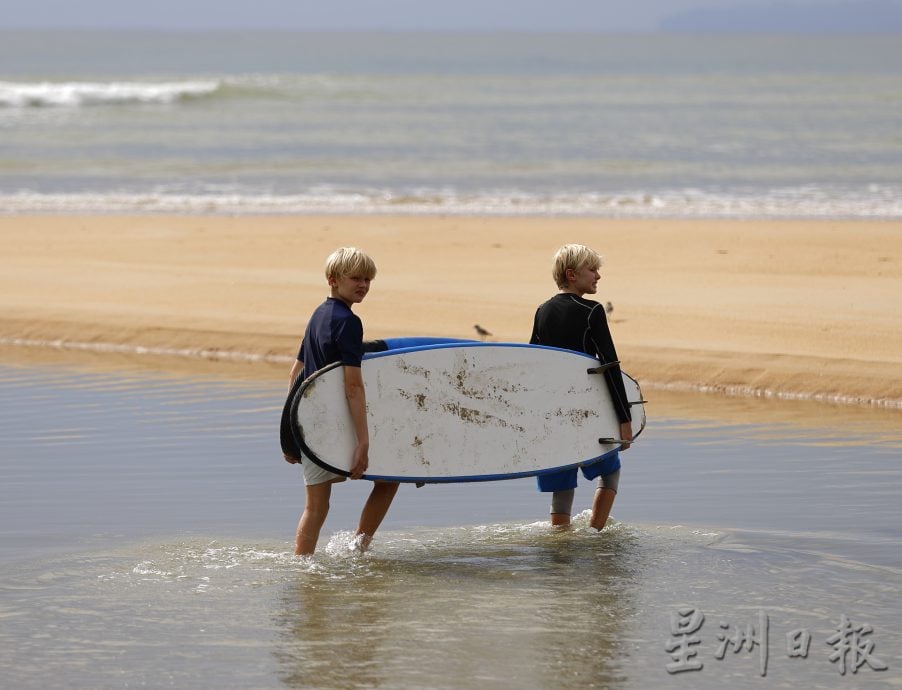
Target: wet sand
[792, 309]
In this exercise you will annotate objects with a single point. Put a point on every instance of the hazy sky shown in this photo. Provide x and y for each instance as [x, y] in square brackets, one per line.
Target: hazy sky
[529, 15]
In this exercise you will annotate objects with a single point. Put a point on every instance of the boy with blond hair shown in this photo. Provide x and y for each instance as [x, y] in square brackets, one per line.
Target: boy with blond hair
[570, 321]
[335, 334]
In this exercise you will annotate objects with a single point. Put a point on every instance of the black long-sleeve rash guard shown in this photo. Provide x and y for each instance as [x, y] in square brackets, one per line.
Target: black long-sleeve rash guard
[575, 323]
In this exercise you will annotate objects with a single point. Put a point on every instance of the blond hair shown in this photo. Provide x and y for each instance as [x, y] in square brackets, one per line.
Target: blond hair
[350, 261]
[573, 256]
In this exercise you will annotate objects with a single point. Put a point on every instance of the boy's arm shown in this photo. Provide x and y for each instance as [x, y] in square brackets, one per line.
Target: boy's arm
[604, 345]
[356, 396]
[296, 370]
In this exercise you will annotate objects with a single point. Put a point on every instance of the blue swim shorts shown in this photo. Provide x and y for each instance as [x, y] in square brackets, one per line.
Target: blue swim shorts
[566, 479]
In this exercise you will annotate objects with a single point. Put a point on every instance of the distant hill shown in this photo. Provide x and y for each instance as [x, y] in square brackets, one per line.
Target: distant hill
[860, 16]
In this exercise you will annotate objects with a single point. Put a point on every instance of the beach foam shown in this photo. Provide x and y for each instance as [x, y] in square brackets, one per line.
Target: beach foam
[808, 202]
[81, 93]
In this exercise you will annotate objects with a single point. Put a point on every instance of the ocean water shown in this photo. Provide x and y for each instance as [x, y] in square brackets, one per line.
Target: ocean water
[146, 527]
[652, 126]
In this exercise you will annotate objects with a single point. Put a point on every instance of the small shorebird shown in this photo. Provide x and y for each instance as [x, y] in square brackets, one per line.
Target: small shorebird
[481, 331]
[608, 307]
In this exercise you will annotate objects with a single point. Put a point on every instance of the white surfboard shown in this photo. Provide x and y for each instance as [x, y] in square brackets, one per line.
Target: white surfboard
[465, 411]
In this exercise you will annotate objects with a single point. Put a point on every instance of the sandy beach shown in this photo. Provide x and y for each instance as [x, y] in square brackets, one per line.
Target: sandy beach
[796, 309]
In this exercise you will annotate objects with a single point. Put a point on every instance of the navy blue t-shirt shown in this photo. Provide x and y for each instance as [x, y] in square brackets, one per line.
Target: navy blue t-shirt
[334, 334]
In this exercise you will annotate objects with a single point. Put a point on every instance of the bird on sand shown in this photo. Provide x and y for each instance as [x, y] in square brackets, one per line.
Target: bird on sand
[608, 307]
[481, 331]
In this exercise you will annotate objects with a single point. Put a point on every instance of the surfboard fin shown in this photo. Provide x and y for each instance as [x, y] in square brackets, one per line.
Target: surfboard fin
[603, 368]
[638, 402]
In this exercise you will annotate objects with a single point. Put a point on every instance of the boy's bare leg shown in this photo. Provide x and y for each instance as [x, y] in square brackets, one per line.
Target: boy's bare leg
[601, 507]
[316, 509]
[374, 511]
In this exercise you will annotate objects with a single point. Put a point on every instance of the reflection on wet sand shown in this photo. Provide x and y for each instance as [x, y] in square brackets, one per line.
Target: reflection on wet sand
[828, 424]
[553, 608]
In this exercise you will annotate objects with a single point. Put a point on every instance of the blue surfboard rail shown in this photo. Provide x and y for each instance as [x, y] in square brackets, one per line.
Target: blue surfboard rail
[415, 344]
[394, 346]
[478, 477]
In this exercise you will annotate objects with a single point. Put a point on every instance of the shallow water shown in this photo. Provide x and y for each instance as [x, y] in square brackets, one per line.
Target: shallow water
[146, 534]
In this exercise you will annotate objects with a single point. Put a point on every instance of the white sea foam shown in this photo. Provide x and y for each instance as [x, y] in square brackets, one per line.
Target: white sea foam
[79, 93]
[117, 348]
[874, 201]
[746, 391]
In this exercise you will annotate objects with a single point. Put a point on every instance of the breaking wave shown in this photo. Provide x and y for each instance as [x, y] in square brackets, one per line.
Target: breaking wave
[83, 93]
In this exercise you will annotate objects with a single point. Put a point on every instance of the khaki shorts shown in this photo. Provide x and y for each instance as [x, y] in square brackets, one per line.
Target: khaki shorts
[314, 474]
